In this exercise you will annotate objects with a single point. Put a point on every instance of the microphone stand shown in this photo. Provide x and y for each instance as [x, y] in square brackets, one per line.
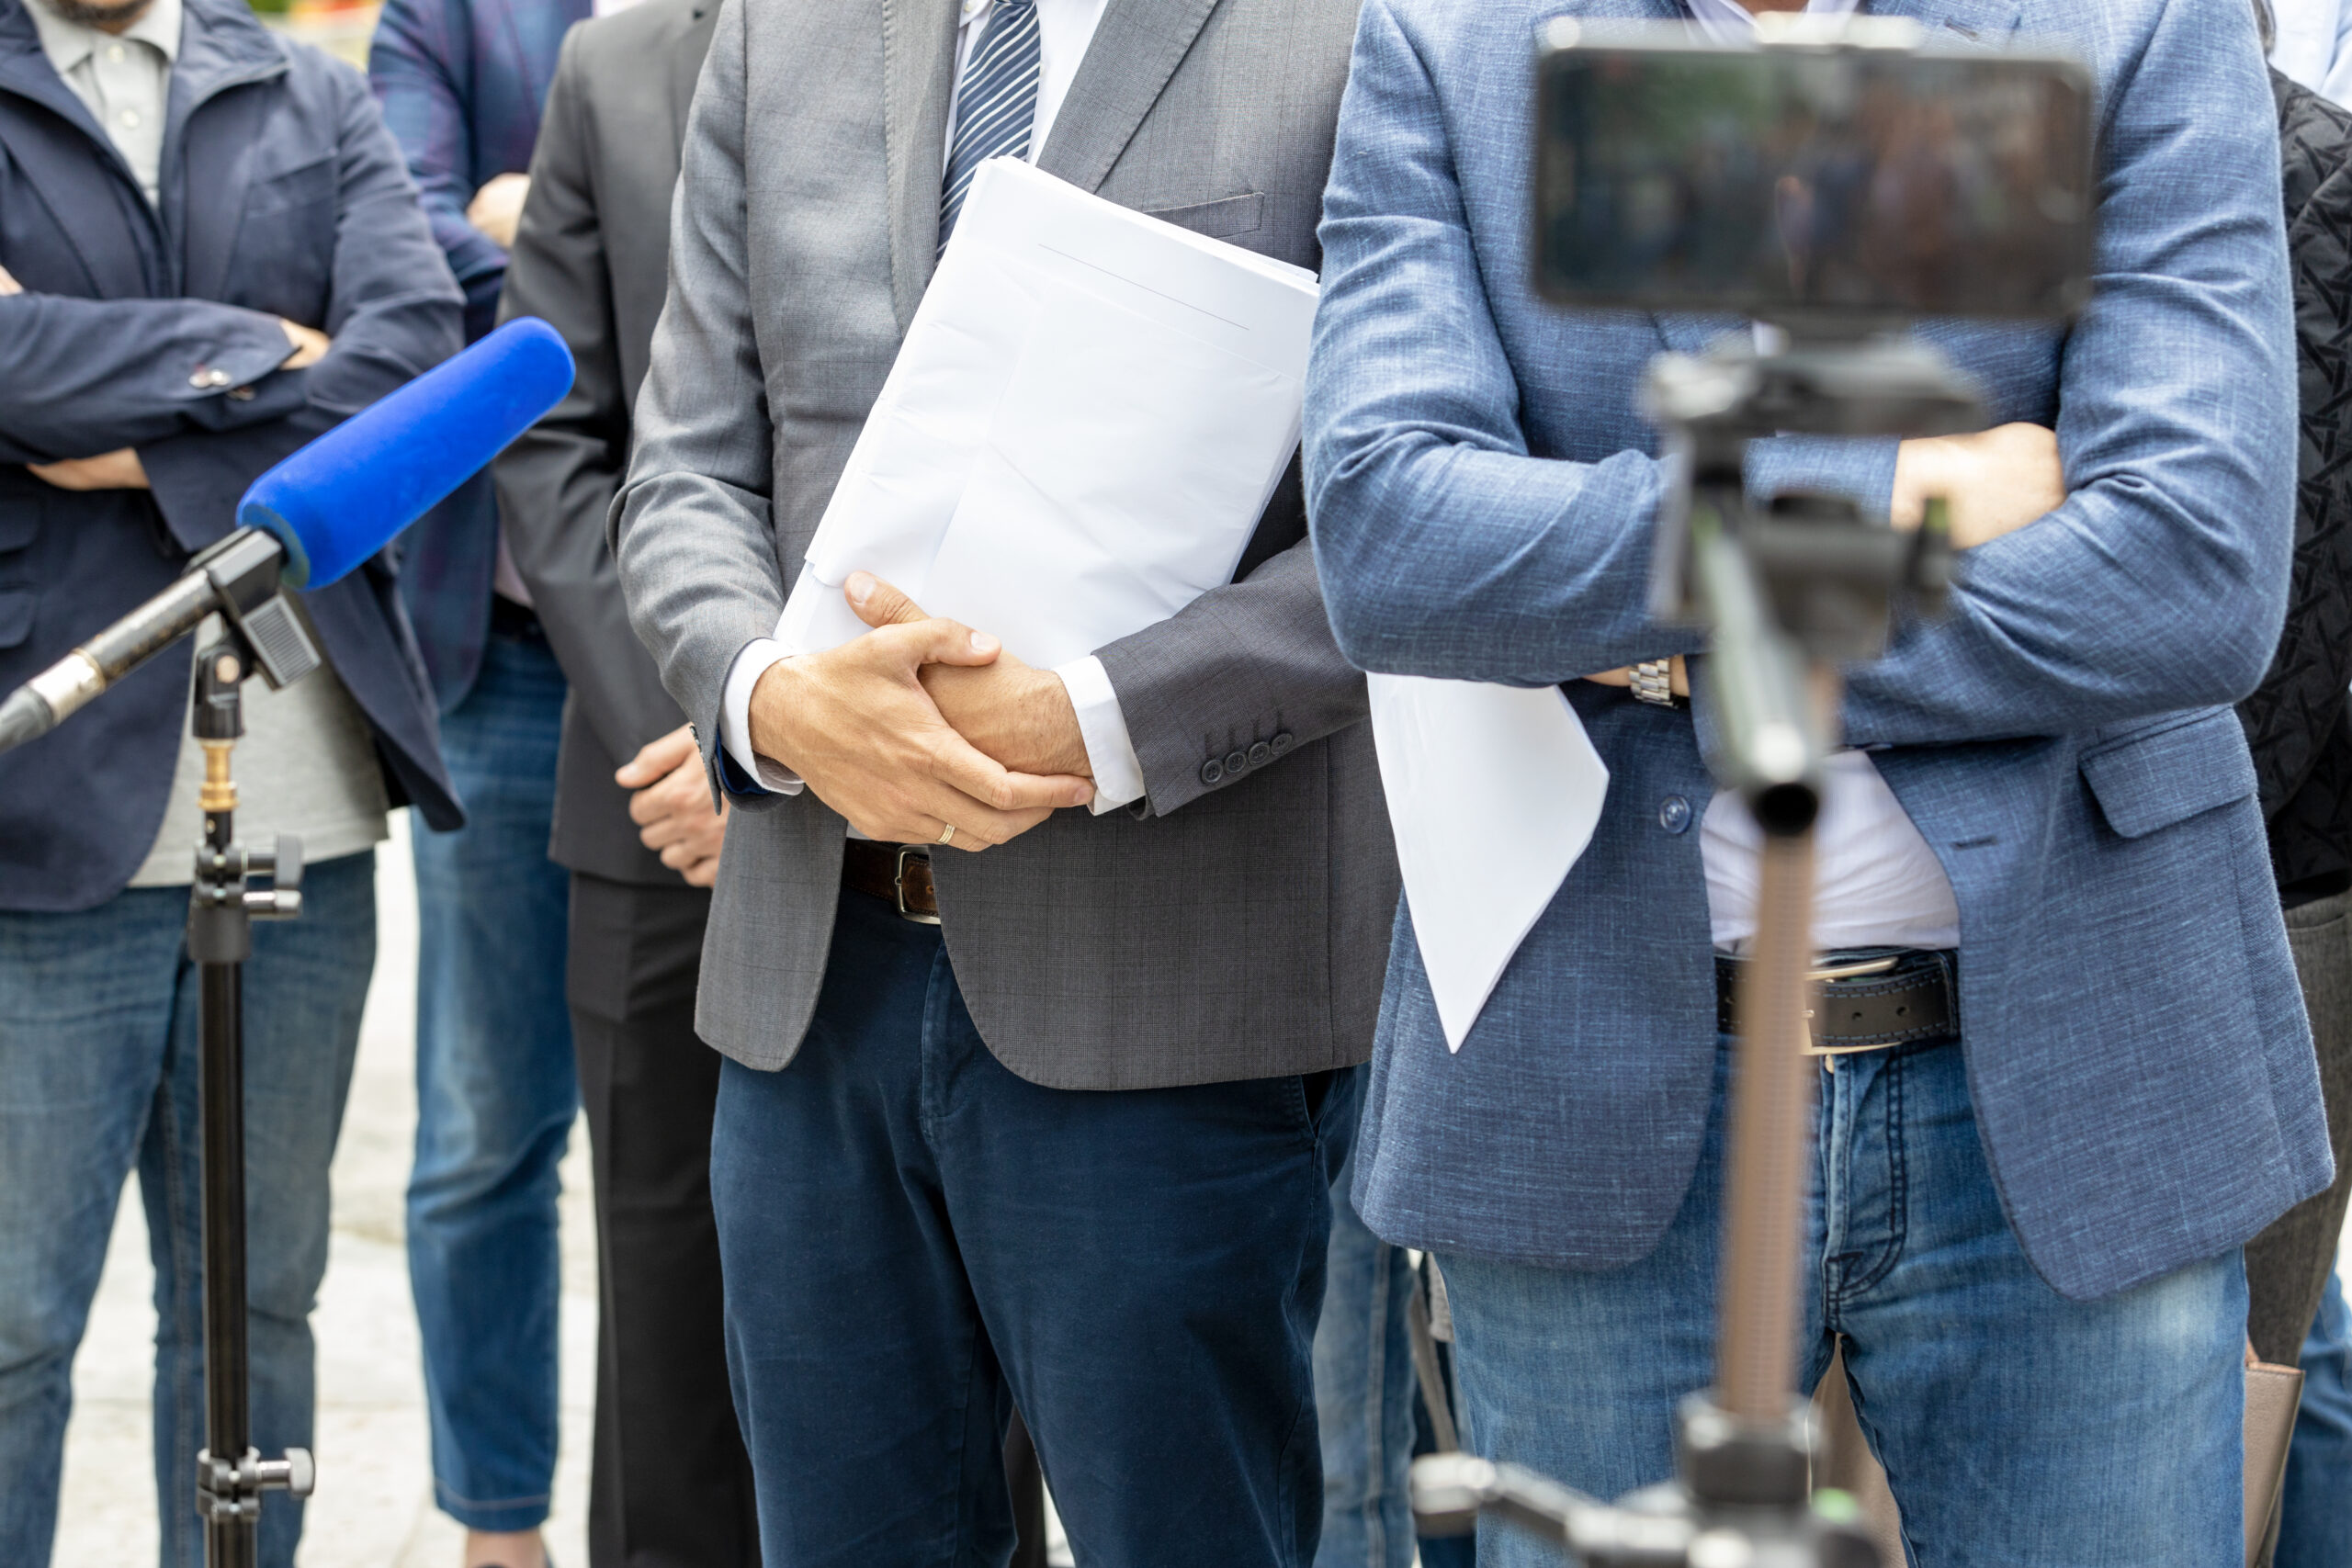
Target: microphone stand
[231, 1474]
[1791, 594]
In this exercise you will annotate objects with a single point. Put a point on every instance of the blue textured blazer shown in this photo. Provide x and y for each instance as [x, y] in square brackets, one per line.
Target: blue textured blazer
[1483, 493]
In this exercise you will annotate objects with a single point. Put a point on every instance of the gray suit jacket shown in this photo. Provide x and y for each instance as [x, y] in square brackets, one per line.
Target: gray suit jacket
[592, 256]
[1234, 926]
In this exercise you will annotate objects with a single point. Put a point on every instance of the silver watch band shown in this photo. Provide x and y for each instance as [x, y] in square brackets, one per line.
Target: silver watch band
[1653, 681]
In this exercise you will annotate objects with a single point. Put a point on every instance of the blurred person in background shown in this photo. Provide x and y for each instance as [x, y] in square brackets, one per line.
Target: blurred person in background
[209, 253]
[635, 823]
[2091, 1082]
[2299, 725]
[461, 83]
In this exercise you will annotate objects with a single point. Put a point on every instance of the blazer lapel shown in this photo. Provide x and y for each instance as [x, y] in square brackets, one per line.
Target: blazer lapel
[918, 68]
[1988, 22]
[216, 140]
[686, 52]
[1136, 48]
[105, 222]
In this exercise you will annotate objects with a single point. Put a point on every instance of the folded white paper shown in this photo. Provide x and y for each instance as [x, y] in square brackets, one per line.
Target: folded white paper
[1090, 412]
[1494, 792]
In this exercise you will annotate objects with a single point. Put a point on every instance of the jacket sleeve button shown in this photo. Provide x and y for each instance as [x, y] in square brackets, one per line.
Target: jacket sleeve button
[1674, 814]
[1283, 741]
[1261, 755]
[1213, 773]
[1235, 760]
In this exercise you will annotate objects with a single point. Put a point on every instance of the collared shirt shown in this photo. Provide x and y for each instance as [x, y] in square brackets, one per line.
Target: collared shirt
[125, 82]
[2314, 45]
[1065, 29]
[1727, 21]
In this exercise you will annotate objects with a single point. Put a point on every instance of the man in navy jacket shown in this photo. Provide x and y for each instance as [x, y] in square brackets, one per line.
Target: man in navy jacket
[2033, 1190]
[209, 253]
[462, 82]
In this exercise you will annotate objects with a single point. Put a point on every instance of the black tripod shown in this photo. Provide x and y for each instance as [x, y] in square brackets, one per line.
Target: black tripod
[1791, 594]
[259, 630]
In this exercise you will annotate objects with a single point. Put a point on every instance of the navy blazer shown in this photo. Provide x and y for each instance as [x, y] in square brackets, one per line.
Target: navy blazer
[463, 84]
[1483, 493]
[282, 197]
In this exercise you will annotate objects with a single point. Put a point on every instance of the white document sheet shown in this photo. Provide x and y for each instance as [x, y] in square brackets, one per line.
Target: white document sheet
[1494, 792]
[1090, 412]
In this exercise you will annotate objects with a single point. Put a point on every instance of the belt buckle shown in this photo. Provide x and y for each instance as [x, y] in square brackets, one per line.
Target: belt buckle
[1843, 972]
[898, 883]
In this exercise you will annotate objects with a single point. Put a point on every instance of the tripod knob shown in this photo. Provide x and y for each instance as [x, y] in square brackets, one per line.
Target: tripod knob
[297, 1473]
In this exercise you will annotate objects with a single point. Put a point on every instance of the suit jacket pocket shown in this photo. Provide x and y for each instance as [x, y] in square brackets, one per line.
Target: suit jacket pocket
[287, 190]
[17, 602]
[2169, 770]
[1219, 219]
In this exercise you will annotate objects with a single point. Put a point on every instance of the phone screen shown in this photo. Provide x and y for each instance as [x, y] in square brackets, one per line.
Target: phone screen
[1671, 175]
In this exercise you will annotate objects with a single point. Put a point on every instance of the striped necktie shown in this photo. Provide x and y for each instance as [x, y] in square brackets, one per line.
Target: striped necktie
[996, 106]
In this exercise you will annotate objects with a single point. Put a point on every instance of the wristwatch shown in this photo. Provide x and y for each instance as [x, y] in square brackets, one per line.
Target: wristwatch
[1653, 681]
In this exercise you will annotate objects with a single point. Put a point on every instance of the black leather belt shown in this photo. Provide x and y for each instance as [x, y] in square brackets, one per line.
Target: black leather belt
[1867, 1000]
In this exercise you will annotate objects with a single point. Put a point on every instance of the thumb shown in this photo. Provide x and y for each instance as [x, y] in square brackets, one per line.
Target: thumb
[940, 641]
[657, 759]
[878, 604]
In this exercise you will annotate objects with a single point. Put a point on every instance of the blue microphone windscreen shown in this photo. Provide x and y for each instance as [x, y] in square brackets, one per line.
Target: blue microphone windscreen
[341, 499]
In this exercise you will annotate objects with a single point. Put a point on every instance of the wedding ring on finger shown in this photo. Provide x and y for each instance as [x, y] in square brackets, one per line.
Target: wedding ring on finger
[947, 833]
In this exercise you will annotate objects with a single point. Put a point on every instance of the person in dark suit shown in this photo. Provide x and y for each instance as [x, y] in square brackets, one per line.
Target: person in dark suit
[461, 83]
[670, 1481]
[208, 255]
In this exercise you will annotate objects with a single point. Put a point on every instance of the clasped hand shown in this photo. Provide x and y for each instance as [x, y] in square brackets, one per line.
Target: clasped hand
[922, 726]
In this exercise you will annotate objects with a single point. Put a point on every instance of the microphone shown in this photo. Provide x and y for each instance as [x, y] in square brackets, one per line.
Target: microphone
[311, 520]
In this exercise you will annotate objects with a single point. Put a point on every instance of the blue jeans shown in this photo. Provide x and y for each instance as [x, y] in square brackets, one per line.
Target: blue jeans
[99, 1072]
[495, 1096]
[914, 1239]
[2015, 1427]
[1364, 1396]
[2315, 1523]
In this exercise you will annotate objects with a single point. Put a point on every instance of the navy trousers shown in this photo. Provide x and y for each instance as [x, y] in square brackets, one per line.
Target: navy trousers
[914, 1240]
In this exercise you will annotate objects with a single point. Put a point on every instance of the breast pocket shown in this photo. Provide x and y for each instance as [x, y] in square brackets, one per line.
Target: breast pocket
[285, 252]
[1220, 219]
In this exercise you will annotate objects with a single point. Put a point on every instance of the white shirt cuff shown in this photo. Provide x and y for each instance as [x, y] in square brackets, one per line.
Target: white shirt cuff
[1110, 754]
[735, 715]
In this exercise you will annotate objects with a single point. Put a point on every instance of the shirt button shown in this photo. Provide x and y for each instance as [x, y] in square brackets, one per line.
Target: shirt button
[1674, 814]
[1211, 773]
[114, 53]
[129, 119]
[1236, 759]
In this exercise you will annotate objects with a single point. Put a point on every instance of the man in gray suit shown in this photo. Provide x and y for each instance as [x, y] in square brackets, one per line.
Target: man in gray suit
[1053, 1123]
[669, 1482]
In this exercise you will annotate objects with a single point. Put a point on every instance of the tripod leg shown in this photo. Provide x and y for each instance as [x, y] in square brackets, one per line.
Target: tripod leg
[1027, 1479]
[228, 1425]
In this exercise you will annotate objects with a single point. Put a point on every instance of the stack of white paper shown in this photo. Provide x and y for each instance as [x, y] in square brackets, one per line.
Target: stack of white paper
[1088, 414]
[1090, 409]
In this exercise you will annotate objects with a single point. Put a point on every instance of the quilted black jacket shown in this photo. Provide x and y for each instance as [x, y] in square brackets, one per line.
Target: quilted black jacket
[2298, 722]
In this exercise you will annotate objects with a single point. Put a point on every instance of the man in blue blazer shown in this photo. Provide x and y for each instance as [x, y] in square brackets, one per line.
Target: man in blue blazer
[462, 83]
[2028, 1218]
[209, 253]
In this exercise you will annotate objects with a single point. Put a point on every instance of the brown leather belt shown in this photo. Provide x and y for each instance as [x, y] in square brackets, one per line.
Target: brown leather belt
[898, 874]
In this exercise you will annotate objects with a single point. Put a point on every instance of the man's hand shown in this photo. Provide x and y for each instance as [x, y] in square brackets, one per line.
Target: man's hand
[310, 346]
[857, 725]
[1014, 712]
[1997, 480]
[670, 803]
[8, 284]
[118, 470]
[497, 208]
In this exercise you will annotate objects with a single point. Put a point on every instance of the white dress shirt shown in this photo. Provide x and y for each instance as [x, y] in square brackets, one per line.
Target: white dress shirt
[1877, 883]
[1065, 28]
[125, 82]
[2313, 45]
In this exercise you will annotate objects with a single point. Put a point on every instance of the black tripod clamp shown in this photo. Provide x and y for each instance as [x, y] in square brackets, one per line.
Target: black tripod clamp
[231, 1474]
